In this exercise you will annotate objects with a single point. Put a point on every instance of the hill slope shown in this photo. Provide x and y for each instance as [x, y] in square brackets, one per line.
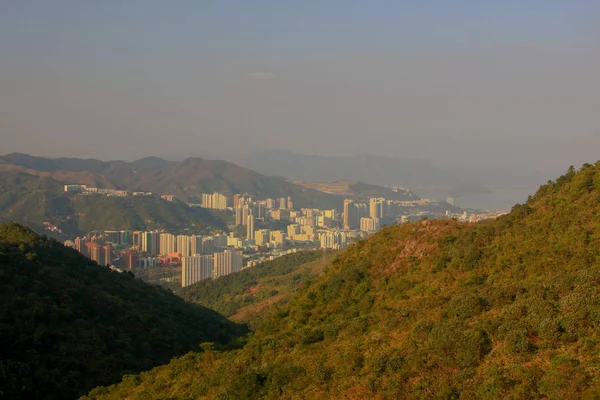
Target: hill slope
[68, 325]
[33, 199]
[249, 295]
[358, 190]
[187, 179]
[508, 308]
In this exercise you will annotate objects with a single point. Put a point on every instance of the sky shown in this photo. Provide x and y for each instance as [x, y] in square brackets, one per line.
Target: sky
[466, 84]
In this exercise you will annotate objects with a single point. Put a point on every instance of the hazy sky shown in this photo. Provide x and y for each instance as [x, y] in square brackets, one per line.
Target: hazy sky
[464, 83]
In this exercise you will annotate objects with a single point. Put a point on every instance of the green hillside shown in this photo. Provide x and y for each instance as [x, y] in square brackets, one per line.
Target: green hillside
[33, 200]
[187, 179]
[140, 213]
[504, 309]
[68, 325]
[249, 295]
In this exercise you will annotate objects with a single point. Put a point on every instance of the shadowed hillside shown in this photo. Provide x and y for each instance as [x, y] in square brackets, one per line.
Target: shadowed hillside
[249, 295]
[508, 308]
[68, 325]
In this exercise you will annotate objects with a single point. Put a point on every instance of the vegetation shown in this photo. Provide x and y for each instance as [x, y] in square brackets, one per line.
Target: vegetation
[504, 309]
[33, 200]
[140, 213]
[68, 325]
[248, 295]
[187, 179]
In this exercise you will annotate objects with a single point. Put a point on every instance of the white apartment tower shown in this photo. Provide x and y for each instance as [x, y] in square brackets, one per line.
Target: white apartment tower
[227, 262]
[196, 268]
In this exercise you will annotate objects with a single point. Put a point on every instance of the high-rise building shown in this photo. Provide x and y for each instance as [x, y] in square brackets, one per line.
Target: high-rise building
[250, 228]
[261, 211]
[220, 240]
[184, 245]
[151, 242]
[196, 268]
[330, 213]
[239, 214]
[129, 260]
[208, 245]
[246, 211]
[306, 221]
[227, 262]
[214, 200]
[80, 246]
[113, 237]
[362, 210]
[377, 207]
[293, 229]
[283, 203]
[333, 240]
[167, 243]
[102, 254]
[349, 214]
[262, 237]
[206, 200]
[195, 244]
[270, 203]
[323, 221]
[369, 224]
[280, 215]
[233, 241]
[137, 239]
[219, 201]
[147, 262]
[236, 200]
[278, 238]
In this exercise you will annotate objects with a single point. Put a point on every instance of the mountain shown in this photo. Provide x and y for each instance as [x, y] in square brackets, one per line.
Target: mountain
[187, 179]
[359, 190]
[34, 199]
[249, 295]
[505, 308]
[68, 325]
[415, 174]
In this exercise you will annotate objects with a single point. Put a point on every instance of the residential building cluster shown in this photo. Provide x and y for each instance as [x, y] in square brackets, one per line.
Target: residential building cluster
[261, 230]
[84, 189]
[215, 200]
[201, 257]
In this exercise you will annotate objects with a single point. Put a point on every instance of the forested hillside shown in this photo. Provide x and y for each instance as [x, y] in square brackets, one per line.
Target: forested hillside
[186, 179]
[68, 325]
[502, 309]
[249, 295]
[32, 200]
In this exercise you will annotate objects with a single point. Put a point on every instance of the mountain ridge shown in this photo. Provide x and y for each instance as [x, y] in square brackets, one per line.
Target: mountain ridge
[187, 179]
[376, 170]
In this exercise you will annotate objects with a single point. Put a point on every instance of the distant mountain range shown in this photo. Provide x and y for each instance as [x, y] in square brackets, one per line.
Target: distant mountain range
[414, 174]
[358, 190]
[186, 179]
